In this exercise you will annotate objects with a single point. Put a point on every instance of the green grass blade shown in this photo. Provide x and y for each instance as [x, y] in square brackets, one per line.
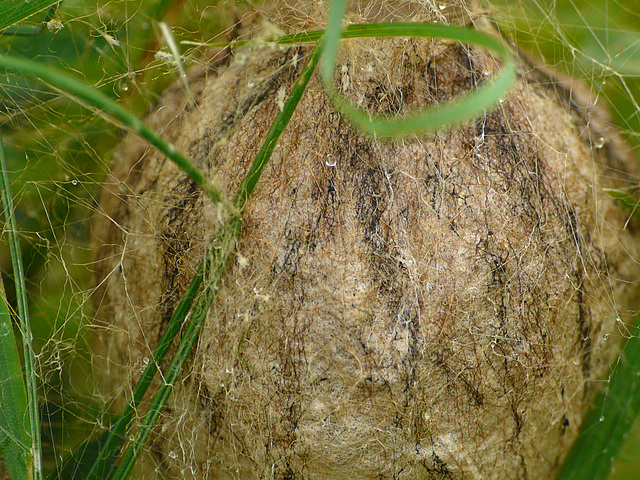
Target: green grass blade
[103, 462]
[463, 108]
[99, 100]
[612, 416]
[15, 11]
[429, 119]
[33, 419]
[214, 267]
[264, 154]
[15, 432]
[310, 36]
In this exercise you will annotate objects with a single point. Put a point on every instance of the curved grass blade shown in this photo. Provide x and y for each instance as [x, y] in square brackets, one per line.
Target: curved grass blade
[15, 432]
[355, 30]
[12, 12]
[107, 106]
[484, 97]
[612, 416]
[429, 119]
[310, 36]
[32, 421]
[214, 267]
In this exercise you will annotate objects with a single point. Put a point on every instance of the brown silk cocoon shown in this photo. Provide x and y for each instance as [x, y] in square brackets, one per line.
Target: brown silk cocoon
[443, 306]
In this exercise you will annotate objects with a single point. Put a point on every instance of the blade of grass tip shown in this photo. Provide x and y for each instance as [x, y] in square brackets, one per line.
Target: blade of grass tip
[25, 324]
[612, 416]
[15, 432]
[107, 106]
[178, 61]
[430, 119]
[215, 265]
[103, 462]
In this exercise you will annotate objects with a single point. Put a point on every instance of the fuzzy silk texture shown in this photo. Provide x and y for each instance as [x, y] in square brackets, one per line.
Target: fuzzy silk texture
[443, 306]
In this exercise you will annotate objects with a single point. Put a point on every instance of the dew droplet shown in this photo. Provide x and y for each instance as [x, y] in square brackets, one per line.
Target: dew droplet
[125, 87]
[601, 419]
[599, 142]
[251, 84]
[145, 360]
[442, 6]
[74, 182]
[331, 161]
[173, 455]
[605, 336]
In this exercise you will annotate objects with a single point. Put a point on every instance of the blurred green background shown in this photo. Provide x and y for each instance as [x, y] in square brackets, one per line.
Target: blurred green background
[58, 152]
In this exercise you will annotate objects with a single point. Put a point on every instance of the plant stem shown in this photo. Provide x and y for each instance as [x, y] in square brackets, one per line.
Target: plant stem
[25, 323]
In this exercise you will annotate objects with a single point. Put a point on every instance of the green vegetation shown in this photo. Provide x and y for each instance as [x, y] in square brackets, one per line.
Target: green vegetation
[56, 160]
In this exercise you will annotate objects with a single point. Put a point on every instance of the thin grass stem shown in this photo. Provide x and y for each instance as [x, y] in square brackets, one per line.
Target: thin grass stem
[33, 420]
[15, 433]
[103, 463]
[430, 119]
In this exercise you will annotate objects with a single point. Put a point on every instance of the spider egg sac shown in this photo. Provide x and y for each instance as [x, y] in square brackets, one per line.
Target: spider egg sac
[439, 306]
